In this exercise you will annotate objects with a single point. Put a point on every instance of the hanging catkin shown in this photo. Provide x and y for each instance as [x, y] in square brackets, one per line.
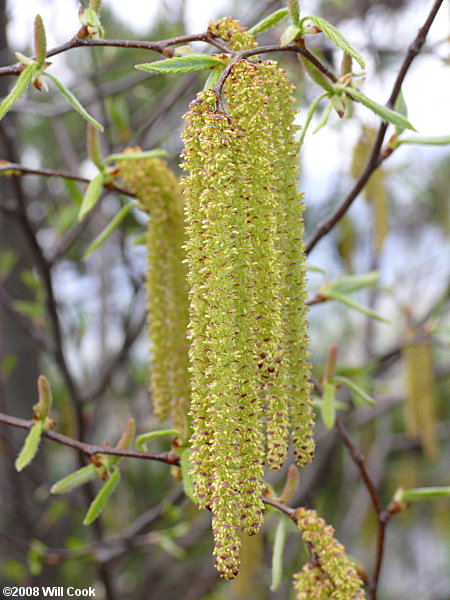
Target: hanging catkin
[248, 353]
[158, 191]
[332, 575]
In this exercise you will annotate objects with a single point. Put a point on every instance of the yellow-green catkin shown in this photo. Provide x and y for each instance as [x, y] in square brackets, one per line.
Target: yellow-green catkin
[159, 193]
[233, 33]
[420, 401]
[331, 575]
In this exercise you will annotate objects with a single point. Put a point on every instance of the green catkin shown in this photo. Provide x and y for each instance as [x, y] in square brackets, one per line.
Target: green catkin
[158, 191]
[335, 576]
[231, 31]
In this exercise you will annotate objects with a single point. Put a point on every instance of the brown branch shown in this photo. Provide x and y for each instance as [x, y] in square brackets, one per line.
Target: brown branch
[376, 156]
[89, 450]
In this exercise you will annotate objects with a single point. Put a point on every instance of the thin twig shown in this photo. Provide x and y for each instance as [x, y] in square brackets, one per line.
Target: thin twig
[376, 156]
[89, 449]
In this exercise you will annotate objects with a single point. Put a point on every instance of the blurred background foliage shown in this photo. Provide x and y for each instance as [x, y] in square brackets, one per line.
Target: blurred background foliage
[152, 542]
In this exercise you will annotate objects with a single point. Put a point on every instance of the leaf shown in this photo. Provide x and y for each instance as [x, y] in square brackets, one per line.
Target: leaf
[314, 269]
[356, 389]
[291, 32]
[74, 480]
[100, 500]
[156, 153]
[18, 88]
[30, 446]
[269, 21]
[112, 225]
[382, 111]
[443, 140]
[334, 295]
[311, 110]
[328, 406]
[337, 38]
[213, 78]
[186, 466]
[316, 75]
[93, 147]
[44, 406]
[294, 12]
[418, 494]
[91, 196]
[277, 555]
[324, 118]
[144, 438]
[40, 41]
[182, 64]
[353, 283]
[74, 102]
[35, 556]
[401, 108]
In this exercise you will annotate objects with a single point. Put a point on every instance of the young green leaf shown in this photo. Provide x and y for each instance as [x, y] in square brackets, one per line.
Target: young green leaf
[315, 269]
[311, 110]
[324, 118]
[182, 64]
[74, 102]
[44, 406]
[93, 146]
[186, 467]
[443, 140]
[91, 196]
[401, 108]
[418, 494]
[126, 439]
[356, 389]
[144, 438]
[334, 295]
[337, 38]
[291, 484]
[74, 480]
[18, 88]
[294, 12]
[35, 557]
[213, 78]
[292, 32]
[30, 446]
[316, 75]
[269, 21]
[100, 500]
[277, 555]
[353, 283]
[328, 406]
[112, 225]
[156, 153]
[40, 41]
[382, 111]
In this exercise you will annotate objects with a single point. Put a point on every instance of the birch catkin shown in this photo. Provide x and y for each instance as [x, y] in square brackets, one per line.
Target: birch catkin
[158, 191]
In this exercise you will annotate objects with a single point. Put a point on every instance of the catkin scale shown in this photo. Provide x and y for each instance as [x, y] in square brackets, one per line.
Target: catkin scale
[158, 191]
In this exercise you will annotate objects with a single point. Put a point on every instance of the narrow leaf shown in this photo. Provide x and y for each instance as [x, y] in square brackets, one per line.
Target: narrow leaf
[316, 75]
[213, 78]
[353, 283]
[277, 555]
[356, 389]
[337, 38]
[125, 441]
[44, 405]
[315, 269]
[294, 12]
[156, 153]
[311, 110]
[40, 41]
[324, 118]
[269, 21]
[328, 406]
[18, 88]
[112, 225]
[144, 438]
[334, 295]
[93, 146]
[186, 467]
[382, 111]
[30, 446]
[182, 64]
[417, 494]
[291, 33]
[74, 480]
[100, 500]
[400, 107]
[91, 196]
[74, 102]
[427, 141]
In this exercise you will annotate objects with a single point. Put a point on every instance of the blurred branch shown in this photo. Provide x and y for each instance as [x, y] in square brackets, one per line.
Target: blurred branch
[376, 156]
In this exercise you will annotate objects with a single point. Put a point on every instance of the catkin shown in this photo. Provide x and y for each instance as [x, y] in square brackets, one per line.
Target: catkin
[332, 574]
[158, 191]
[244, 247]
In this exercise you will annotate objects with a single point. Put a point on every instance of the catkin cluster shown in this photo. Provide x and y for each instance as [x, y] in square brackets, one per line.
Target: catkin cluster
[248, 352]
[330, 575]
[159, 193]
